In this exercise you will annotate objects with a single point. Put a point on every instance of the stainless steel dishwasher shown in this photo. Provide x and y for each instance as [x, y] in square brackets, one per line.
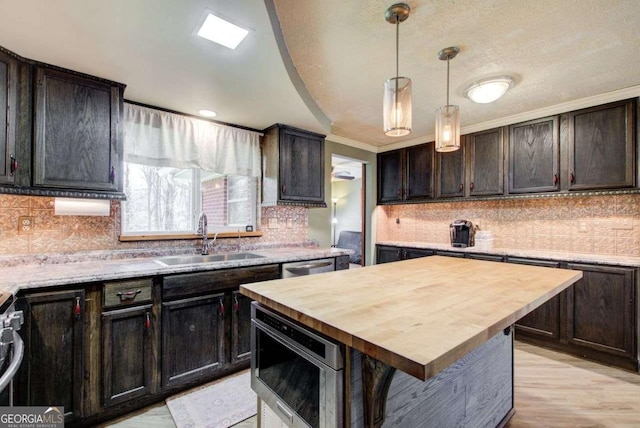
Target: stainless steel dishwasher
[308, 267]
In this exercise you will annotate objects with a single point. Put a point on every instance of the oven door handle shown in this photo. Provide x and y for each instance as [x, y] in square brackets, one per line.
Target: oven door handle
[16, 360]
[307, 267]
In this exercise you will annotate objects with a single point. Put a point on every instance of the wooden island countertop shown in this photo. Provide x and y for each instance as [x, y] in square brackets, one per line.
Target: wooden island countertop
[419, 315]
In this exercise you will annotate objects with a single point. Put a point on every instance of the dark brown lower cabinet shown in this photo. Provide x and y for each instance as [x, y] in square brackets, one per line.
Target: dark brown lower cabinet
[543, 322]
[387, 254]
[240, 328]
[127, 354]
[601, 311]
[52, 370]
[192, 339]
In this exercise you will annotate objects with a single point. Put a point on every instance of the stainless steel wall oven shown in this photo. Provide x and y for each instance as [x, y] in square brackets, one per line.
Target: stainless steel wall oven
[295, 371]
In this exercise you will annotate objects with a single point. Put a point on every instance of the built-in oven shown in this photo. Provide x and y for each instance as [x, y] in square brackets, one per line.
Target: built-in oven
[298, 373]
[309, 267]
[11, 347]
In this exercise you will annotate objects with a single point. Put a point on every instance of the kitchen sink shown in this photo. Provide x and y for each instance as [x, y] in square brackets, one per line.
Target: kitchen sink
[211, 258]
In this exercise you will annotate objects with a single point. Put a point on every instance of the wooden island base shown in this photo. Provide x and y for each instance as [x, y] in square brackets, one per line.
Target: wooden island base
[476, 390]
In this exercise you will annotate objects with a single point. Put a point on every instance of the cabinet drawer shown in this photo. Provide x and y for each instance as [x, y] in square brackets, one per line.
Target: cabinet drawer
[124, 293]
[178, 286]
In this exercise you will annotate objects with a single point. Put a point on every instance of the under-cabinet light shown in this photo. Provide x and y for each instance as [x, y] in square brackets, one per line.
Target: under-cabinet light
[73, 206]
[221, 31]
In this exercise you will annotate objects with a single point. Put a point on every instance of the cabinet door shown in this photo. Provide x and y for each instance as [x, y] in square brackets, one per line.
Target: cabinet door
[419, 172]
[486, 162]
[301, 166]
[544, 321]
[77, 132]
[600, 146]
[240, 328]
[127, 358]
[52, 368]
[8, 108]
[451, 173]
[601, 310]
[534, 156]
[390, 176]
[386, 254]
[416, 253]
[192, 339]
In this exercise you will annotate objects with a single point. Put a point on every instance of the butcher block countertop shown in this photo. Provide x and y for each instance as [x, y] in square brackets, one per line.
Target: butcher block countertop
[418, 315]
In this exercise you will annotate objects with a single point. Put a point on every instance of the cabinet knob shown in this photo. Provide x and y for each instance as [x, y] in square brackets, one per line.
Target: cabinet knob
[572, 178]
[461, 187]
[221, 310]
[283, 188]
[112, 175]
[13, 167]
[236, 305]
[555, 179]
[147, 321]
[470, 186]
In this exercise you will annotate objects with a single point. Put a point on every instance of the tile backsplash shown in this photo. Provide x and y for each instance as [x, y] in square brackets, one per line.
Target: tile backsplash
[606, 224]
[48, 233]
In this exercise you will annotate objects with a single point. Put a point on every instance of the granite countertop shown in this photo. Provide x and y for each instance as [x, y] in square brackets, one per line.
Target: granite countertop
[16, 278]
[418, 315]
[549, 255]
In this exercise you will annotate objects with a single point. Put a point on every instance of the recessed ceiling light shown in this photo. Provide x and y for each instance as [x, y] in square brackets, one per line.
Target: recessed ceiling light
[488, 90]
[222, 31]
[207, 113]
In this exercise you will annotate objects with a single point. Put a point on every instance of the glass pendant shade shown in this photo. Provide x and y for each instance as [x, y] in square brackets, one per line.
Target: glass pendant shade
[397, 106]
[447, 128]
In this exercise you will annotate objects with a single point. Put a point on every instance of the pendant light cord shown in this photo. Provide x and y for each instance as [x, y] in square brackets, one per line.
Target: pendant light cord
[395, 119]
[447, 81]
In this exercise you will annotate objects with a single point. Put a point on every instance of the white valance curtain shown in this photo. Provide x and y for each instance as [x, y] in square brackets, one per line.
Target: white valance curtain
[157, 138]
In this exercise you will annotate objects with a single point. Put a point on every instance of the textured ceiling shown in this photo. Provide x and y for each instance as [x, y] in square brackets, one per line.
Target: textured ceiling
[557, 51]
[336, 56]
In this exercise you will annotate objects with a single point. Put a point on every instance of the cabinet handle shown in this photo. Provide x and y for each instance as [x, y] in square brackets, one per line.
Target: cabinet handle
[128, 295]
[236, 305]
[147, 321]
[13, 167]
[461, 187]
[283, 189]
[112, 175]
[470, 186]
[399, 192]
[221, 308]
[555, 179]
[572, 178]
[77, 310]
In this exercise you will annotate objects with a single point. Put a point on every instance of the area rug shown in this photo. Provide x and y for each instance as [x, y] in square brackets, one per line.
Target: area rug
[217, 405]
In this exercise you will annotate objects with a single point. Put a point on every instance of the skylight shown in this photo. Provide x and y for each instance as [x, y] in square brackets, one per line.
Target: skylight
[222, 32]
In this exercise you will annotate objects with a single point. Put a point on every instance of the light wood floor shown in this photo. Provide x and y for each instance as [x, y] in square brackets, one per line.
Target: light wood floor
[552, 390]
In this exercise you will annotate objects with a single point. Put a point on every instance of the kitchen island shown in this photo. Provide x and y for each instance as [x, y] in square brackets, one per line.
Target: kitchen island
[427, 341]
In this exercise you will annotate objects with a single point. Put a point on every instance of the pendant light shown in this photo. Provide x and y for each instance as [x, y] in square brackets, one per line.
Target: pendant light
[397, 90]
[448, 116]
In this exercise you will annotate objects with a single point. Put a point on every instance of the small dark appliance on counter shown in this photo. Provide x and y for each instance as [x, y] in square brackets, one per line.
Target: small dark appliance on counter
[462, 233]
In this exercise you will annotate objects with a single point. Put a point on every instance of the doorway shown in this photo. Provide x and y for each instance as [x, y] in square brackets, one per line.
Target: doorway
[348, 222]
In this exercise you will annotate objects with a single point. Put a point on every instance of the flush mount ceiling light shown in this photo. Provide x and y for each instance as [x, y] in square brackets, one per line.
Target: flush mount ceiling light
[207, 113]
[448, 116]
[488, 90]
[221, 31]
[397, 90]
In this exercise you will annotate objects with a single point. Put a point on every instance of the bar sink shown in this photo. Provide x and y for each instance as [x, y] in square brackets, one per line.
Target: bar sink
[211, 258]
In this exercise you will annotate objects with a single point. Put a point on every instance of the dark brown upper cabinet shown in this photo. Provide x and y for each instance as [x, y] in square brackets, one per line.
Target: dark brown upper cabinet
[78, 132]
[292, 167]
[8, 109]
[485, 156]
[406, 174]
[600, 146]
[450, 173]
[534, 156]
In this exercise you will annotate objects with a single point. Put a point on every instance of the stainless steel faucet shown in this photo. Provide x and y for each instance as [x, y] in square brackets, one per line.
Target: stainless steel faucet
[202, 230]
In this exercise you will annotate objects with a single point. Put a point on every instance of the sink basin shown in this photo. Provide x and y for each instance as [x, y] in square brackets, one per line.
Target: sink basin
[211, 258]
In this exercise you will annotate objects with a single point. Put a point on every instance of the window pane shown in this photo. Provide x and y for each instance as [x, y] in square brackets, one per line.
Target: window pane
[159, 199]
[229, 201]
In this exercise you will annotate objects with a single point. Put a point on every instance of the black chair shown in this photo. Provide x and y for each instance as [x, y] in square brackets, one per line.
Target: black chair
[351, 240]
